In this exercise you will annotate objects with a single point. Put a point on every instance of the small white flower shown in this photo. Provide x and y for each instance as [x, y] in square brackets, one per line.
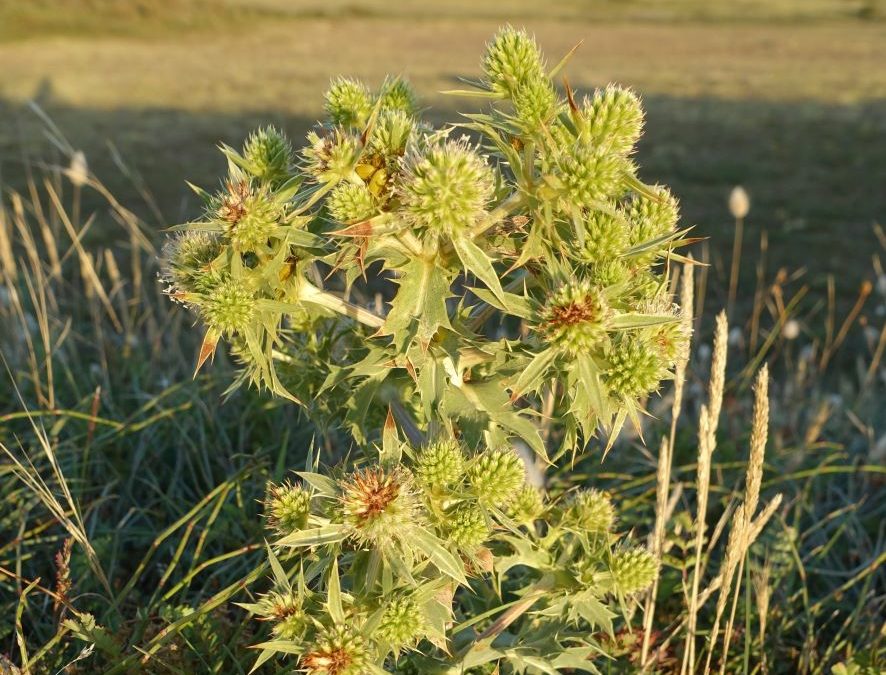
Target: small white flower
[78, 171]
[739, 202]
[791, 329]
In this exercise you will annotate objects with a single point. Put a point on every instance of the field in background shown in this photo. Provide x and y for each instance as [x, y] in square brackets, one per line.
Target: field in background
[787, 98]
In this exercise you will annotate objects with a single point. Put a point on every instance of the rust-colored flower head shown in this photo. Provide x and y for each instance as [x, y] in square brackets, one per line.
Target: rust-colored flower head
[575, 318]
[380, 507]
[339, 650]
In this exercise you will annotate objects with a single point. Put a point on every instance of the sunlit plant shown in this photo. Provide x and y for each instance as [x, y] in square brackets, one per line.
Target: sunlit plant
[463, 305]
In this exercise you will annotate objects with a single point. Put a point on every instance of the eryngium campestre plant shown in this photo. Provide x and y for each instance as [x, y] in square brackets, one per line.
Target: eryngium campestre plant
[479, 283]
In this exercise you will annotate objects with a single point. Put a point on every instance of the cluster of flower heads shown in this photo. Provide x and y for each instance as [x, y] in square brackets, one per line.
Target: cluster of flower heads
[459, 282]
[549, 204]
[406, 535]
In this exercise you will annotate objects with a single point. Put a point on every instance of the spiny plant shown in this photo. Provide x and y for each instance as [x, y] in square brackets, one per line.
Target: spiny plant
[489, 287]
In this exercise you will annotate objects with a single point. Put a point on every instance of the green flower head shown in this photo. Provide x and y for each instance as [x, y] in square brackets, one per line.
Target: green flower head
[512, 59]
[391, 133]
[287, 508]
[636, 367]
[186, 260]
[445, 187]
[251, 215]
[496, 477]
[330, 155]
[397, 96]
[348, 103]
[535, 103]
[466, 526]
[613, 119]
[633, 570]
[653, 218]
[402, 623]
[590, 511]
[286, 612]
[351, 202]
[575, 319]
[339, 650]
[607, 236]
[268, 155]
[379, 507]
[528, 506]
[610, 273]
[440, 465]
[590, 175]
[229, 307]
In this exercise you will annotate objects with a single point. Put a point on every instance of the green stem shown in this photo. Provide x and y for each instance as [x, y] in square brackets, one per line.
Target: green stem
[310, 293]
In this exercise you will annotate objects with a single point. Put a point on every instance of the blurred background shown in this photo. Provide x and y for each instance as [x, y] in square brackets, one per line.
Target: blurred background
[786, 97]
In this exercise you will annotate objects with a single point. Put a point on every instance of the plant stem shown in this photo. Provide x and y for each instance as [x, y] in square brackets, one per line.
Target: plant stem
[310, 293]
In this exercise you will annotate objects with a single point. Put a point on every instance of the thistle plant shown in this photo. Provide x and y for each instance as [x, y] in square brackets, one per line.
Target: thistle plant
[488, 287]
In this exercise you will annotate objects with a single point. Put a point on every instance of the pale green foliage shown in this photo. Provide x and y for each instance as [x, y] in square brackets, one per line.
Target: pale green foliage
[522, 269]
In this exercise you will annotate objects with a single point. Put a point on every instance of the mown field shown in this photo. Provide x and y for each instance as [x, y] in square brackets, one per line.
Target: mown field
[786, 98]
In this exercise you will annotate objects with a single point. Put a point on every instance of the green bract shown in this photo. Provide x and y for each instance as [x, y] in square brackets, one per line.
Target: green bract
[502, 302]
